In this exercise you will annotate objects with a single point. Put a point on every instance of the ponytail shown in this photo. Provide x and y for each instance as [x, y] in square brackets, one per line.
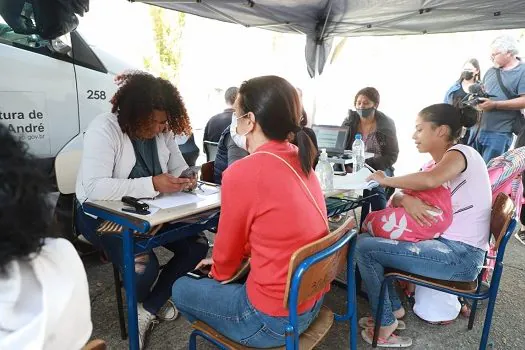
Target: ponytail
[469, 116]
[306, 150]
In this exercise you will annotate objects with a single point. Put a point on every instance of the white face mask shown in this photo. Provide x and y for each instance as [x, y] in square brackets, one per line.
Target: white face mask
[239, 140]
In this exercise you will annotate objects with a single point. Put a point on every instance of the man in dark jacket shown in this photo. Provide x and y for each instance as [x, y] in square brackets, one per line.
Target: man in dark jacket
[218, 123]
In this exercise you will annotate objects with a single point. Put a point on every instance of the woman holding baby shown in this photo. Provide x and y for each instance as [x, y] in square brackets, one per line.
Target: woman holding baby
[458, 253]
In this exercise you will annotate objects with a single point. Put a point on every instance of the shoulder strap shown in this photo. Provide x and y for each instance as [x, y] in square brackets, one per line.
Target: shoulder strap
[503, 87]
[323, 215]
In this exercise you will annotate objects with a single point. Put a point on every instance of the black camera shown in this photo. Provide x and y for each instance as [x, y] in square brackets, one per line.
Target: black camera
[476, 95]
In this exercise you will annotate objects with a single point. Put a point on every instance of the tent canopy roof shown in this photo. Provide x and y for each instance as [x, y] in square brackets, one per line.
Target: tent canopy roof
[321, 20]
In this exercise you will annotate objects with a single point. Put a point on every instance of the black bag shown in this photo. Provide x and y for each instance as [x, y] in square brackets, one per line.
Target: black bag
[519, 121]
[49, 19]
[15, 14]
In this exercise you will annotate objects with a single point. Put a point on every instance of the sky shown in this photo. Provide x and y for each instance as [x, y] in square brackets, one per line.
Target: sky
[410, 72]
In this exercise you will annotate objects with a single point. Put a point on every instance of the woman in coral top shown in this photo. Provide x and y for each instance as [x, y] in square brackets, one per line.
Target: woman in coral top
[268, 211]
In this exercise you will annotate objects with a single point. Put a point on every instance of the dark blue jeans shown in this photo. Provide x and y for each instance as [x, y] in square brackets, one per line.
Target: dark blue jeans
[187, 254]
[491, 144]
[227, 309]
[377, 202]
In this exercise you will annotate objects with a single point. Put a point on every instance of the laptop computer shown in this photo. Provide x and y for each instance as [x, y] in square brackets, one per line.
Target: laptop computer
[331, 137]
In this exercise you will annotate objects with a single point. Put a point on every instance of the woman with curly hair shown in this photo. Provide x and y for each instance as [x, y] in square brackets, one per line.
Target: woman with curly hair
[44, 295]
[132, 152]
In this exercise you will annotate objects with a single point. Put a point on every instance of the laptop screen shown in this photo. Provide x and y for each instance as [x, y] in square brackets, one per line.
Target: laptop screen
[331, 137]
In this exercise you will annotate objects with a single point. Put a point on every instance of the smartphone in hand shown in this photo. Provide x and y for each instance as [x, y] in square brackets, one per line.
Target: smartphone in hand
[199, 273]
[190, 173]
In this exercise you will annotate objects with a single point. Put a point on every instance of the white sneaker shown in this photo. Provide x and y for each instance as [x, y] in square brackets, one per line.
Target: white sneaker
[168, 312]
[146, 322]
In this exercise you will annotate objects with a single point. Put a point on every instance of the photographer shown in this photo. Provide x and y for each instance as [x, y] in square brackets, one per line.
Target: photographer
[502, 116]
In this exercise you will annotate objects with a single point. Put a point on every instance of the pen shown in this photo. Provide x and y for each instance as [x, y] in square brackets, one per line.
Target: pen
[370, 168]
[208, 183]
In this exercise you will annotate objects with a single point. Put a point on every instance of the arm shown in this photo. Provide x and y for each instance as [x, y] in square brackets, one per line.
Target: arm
[515, 103]
[452, 164]
[206, 137]
[238, 210]
[512, 104]
[98, 161]
[234, 152]
[176, 162]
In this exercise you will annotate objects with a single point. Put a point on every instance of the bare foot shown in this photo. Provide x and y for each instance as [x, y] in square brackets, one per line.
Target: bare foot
[400, 313]
[386, 331]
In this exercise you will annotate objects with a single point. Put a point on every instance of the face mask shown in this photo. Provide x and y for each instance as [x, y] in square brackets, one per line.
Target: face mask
[239, 140]
[365, 112]
[467, 75]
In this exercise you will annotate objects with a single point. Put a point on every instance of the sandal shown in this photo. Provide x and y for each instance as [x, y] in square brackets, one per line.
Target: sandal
[393, 341]
[465, 307]
[368, 322]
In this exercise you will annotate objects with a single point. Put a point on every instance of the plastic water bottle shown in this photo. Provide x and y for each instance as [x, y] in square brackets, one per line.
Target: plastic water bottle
[358, 153]
[325, 172]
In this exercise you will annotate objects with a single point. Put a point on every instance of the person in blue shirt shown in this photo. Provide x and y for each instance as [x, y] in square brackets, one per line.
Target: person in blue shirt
[470, 75]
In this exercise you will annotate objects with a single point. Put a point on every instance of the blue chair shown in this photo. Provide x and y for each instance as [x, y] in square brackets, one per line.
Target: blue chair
[311, 269]
[502, 225]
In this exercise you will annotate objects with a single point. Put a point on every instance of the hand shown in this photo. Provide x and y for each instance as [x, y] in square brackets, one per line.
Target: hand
[379, 176]
[418, 210]
[486, 105]
[205, 263]
[167, 183]
[193, 183]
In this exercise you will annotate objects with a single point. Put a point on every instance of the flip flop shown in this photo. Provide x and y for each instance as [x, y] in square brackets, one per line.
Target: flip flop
[368, 322]
[393, 341]
[465, 308]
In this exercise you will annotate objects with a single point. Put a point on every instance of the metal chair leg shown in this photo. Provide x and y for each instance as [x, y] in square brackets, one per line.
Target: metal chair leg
[494, 286]
[472, 316]
[474, 307]
[120, 304]
[193, 341]
[379, 313]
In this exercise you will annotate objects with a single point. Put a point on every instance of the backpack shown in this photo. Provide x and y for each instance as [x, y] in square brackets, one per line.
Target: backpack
[505, 173]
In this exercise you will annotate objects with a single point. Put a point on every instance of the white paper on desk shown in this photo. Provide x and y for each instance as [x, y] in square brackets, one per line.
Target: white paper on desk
[166, 201]
[206, 190]
[354, 181]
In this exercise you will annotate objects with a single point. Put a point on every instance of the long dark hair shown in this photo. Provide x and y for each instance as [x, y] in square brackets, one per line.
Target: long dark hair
[454, 117]
[277, 109]
[25, 212]
[474, 62]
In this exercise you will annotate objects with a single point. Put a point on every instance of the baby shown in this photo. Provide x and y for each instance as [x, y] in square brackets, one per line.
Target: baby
[395, 223]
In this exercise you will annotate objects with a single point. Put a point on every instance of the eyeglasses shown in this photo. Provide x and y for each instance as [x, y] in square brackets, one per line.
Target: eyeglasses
[242, 116]
[494, 54]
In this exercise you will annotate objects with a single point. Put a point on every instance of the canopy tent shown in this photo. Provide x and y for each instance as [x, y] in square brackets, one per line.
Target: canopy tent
[322, 20]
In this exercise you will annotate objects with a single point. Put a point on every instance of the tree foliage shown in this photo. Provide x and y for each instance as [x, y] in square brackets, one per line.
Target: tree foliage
[168, 28]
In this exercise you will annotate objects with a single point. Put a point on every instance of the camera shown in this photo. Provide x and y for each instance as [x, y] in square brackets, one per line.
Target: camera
[476, 95]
